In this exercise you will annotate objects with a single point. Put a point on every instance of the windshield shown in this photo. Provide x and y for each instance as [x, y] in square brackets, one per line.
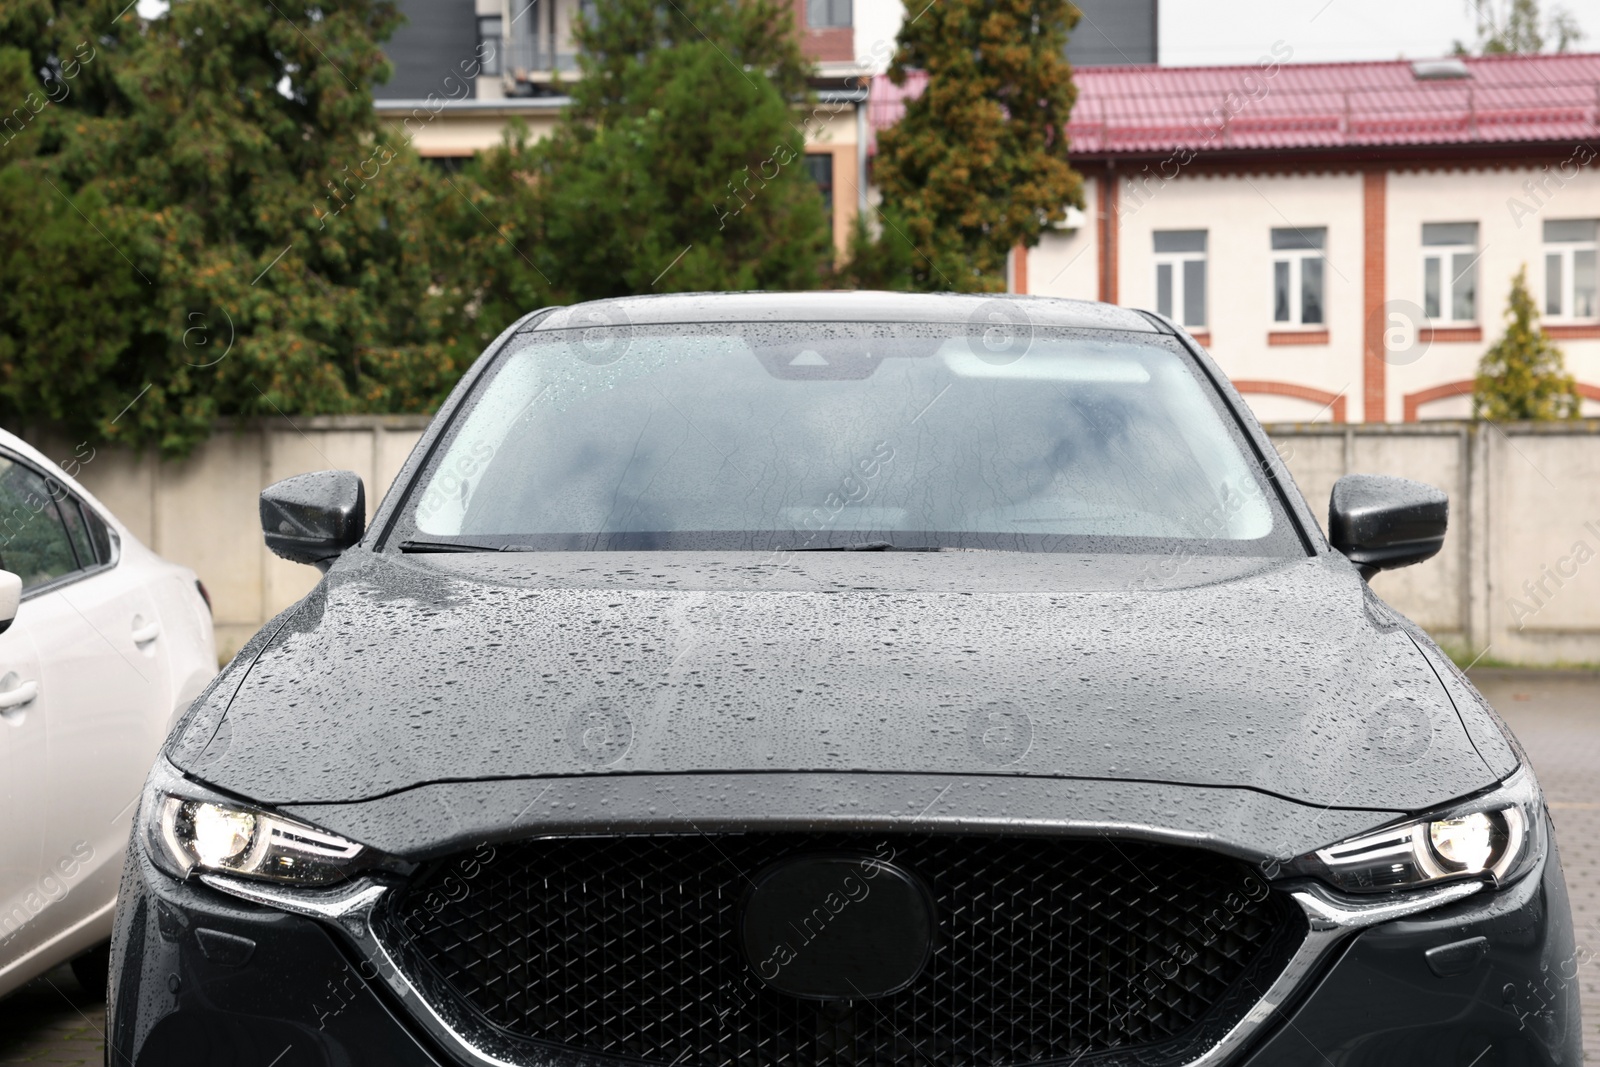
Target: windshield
[805, 436]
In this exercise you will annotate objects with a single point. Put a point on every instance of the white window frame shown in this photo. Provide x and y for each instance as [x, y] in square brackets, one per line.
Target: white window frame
[1175, 263]
[1566, 308]
[1294, 260]
[1442, 258]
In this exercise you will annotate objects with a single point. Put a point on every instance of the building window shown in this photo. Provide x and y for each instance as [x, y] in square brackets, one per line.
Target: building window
[1297, 275]
[828, 14]
[820, 166]
[1181, 275]
[1569, 268]
[489, 44]
[1450, 271]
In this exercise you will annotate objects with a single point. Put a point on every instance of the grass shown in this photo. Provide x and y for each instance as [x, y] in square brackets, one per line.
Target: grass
[1464, 658]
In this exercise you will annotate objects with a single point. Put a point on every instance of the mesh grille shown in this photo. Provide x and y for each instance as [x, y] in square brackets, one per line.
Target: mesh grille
[1045, 949]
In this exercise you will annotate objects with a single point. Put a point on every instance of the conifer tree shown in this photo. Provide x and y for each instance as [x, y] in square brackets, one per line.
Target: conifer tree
[1523, 376]
[979, 163]
[679, 165]
[201, 216]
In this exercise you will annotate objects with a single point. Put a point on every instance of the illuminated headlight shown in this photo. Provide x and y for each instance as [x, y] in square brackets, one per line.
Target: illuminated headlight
[1495, 836]
[187, 828]
[1472, 842]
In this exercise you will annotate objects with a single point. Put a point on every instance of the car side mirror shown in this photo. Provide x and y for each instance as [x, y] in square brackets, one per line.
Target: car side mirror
[10, 599]
[1382, 522]
[311, 518]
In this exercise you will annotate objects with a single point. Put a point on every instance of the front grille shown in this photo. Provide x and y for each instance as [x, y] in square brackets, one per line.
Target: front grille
[1045, 949]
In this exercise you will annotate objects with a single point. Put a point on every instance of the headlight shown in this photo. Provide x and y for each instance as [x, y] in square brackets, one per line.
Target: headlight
[189, 828]
[1495, 836]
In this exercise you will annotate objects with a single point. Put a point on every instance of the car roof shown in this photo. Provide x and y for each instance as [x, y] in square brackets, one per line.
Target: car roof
[847, 306]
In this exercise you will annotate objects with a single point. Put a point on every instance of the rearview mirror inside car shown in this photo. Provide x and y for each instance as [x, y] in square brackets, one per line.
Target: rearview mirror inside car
[10, 599]
[1382, 522]
[311, 518]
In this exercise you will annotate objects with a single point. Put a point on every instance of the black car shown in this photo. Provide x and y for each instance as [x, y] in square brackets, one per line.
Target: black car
[843, 680]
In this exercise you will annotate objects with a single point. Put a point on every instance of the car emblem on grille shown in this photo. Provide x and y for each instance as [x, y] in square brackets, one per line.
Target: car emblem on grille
[837, 927]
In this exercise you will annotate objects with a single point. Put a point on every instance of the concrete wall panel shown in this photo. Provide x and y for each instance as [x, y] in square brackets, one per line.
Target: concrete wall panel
[1517, 581]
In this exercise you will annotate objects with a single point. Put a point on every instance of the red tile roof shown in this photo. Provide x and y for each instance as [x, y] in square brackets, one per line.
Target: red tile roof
[1142, 109]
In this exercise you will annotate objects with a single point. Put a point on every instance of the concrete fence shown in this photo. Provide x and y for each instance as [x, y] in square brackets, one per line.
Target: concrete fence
[202, 511]
[1514, 582]
[1518, 580]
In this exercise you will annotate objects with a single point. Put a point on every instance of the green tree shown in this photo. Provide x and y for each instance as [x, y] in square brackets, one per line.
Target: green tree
[65, 297]
[216, 223]
[1523, 376]
[679, 165]
[882, 257]
[1518, 27]
[978, 164]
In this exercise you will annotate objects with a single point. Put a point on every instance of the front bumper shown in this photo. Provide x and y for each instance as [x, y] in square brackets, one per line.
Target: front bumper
[1490, 981]
[202, 978]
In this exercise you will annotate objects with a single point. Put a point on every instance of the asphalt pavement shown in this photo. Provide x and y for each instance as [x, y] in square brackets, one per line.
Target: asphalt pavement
[1556, 716]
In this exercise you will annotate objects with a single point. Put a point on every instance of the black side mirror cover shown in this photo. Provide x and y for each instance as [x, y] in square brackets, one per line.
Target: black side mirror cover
[1381, 522]
[311, 518]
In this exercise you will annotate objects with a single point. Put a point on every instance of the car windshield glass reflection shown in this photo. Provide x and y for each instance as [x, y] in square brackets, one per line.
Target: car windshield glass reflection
[845, 435]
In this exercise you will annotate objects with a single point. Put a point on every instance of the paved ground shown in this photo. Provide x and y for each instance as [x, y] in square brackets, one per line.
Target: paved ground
[1557, 717]
[51, 1021]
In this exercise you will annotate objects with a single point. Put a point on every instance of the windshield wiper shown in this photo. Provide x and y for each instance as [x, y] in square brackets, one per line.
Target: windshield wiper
[866, 546]
[452, 546]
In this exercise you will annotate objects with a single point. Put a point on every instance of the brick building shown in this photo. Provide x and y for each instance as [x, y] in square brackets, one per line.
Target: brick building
[1341, 236]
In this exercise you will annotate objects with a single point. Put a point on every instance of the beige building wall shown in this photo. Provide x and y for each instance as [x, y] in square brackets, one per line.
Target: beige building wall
[441, 130]
[1518, 579]
[1239, 211]
[1510, 221]
[1065, 262]
[831, 129]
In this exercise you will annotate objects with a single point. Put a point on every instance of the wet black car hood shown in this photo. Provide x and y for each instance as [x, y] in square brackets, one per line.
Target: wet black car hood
[1285, 679]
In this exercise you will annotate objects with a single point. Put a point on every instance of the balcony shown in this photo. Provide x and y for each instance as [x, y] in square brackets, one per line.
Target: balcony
[538, 41]
[535, 39]
[534, 61]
